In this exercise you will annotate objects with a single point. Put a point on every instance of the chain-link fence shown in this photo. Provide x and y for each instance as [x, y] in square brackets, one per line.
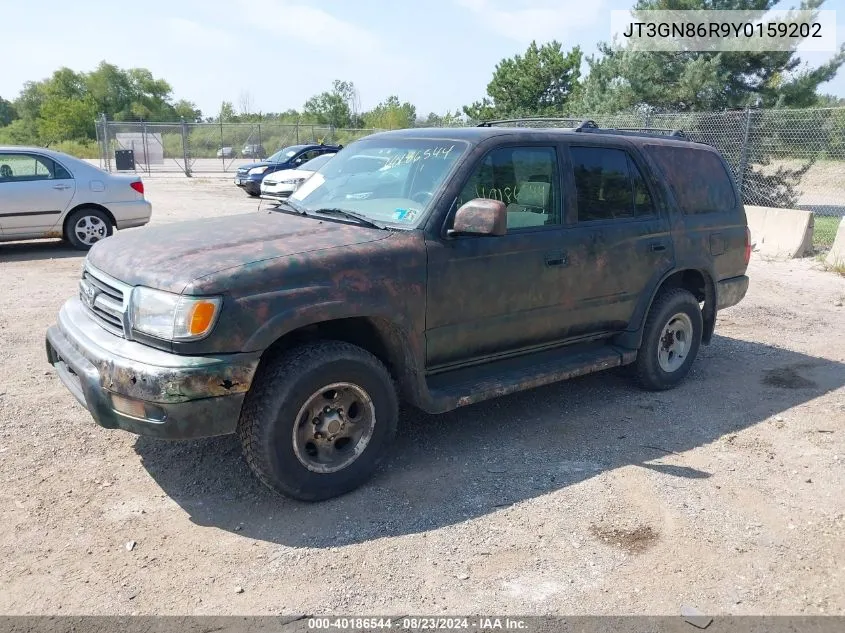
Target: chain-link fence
[196, 148]
[780, 158]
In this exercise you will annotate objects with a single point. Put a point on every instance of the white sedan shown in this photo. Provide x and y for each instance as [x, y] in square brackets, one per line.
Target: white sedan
[280, 184]
[44, 193]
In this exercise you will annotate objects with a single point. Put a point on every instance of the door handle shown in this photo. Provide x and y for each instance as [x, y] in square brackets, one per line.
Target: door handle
[657, 247]
[557, 258]
[61, 186]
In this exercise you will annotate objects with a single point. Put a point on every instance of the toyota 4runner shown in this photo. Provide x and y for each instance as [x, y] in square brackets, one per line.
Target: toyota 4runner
[439, 267]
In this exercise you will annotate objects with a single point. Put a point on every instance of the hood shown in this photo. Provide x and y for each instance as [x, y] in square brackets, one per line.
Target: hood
[263, 163]
[171, 256]
[288, 174]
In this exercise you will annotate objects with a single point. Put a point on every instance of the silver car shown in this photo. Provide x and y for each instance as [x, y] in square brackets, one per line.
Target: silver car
[44, 193]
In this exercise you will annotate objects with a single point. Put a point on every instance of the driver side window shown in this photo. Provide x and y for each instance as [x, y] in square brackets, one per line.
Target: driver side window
[525, 179]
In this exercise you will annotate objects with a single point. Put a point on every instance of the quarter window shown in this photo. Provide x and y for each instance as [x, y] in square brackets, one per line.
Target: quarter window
[697, 177]
[525, 179]
[609, 185]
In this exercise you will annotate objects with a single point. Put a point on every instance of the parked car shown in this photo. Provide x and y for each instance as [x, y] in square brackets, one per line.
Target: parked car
[279, 185]
[226, 152]
[44, 193]
[496, 260]
[249, 176]
[251, 150]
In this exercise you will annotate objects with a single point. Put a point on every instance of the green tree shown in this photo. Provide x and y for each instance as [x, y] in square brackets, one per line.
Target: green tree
[187, 110]
[622, 79]
[390, 114]
[334, 107]
[7, 112]
[227, 113]
[441, 120]
[539, 82]
[64, 119]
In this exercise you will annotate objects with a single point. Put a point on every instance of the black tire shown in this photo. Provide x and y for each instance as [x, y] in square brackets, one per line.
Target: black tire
[283, 387]
[252, 194]
[667, 306]
[100, 223]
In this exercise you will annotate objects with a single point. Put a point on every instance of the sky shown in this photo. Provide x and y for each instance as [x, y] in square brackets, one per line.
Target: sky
[437, 54]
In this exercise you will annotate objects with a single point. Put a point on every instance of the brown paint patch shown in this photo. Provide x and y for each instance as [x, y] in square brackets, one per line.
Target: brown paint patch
[635, 540]
[786, 378]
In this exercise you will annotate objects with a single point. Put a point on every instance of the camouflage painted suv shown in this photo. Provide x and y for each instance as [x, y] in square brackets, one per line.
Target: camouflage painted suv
[449, 267]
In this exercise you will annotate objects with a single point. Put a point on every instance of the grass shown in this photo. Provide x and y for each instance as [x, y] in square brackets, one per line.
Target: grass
[824, 230]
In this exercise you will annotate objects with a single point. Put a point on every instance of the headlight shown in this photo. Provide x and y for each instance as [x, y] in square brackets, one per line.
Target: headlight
[172, 317]
[257, 170]
[292, 181]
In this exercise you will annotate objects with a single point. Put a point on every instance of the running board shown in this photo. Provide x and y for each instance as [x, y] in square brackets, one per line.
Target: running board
[460, 387]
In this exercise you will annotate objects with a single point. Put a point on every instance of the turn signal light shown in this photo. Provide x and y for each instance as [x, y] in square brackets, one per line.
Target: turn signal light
[200, 317]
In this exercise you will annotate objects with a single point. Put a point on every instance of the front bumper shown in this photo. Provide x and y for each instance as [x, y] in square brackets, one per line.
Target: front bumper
[276, 193]
[731, 291]
[249, 183]
[170, 396]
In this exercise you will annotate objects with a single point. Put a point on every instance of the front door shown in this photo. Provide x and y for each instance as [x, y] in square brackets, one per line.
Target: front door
[34, 192]
[490, 295]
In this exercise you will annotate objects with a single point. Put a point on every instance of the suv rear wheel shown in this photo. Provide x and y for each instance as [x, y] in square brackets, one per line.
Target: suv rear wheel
[318, 420]
[671, 340]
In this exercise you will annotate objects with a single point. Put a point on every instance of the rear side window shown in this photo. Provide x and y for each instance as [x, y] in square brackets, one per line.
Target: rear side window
[697, 177]
[609, 185]
[29, 167]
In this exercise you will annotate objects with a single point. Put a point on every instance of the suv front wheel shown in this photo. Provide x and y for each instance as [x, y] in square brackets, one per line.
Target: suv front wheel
[671, 340]
[318, 420]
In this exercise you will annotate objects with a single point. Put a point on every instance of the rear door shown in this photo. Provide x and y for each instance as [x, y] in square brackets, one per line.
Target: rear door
[619, 239]
[34, 192]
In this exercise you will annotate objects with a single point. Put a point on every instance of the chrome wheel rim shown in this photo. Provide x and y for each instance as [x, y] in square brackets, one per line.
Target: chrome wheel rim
[674, 343]
[333, 427]
[90, 229]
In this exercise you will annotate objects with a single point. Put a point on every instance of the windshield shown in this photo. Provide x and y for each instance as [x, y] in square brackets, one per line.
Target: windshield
[285, 154]
[390, 181]
[316, 163]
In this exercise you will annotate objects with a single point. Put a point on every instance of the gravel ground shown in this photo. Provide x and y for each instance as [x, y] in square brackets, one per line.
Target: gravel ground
[587, 497]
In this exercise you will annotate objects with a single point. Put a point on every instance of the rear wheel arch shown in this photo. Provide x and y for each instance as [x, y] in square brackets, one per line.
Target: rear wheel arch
[699, 282]
[94, 229]
[87, 205]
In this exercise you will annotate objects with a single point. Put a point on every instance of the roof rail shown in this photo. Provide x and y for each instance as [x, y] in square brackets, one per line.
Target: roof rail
[576, 123]
[641, 131]
[588, 125]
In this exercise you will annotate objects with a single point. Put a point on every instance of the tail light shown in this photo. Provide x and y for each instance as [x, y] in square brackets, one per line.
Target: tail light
[138, 186]
[747, 245]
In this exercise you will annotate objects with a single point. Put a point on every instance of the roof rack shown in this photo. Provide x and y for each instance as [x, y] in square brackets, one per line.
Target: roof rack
[641, 131]
[587, 125]
[579, 124]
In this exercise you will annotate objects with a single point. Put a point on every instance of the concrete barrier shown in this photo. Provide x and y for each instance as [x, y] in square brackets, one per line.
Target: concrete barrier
[836, 256]
[780, 233]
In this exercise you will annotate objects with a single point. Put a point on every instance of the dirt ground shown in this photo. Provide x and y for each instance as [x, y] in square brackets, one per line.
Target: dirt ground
[586, 497]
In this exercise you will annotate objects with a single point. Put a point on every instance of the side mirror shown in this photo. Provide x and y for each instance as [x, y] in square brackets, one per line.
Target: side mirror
[481, 216]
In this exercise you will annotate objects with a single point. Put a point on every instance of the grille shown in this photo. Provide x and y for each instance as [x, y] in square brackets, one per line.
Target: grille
[105, 298]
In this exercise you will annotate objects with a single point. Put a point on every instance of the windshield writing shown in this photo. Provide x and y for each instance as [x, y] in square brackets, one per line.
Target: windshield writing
[391, 182]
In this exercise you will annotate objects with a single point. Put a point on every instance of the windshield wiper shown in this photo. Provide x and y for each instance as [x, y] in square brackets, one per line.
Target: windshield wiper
[292, 206]
[360, 217]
